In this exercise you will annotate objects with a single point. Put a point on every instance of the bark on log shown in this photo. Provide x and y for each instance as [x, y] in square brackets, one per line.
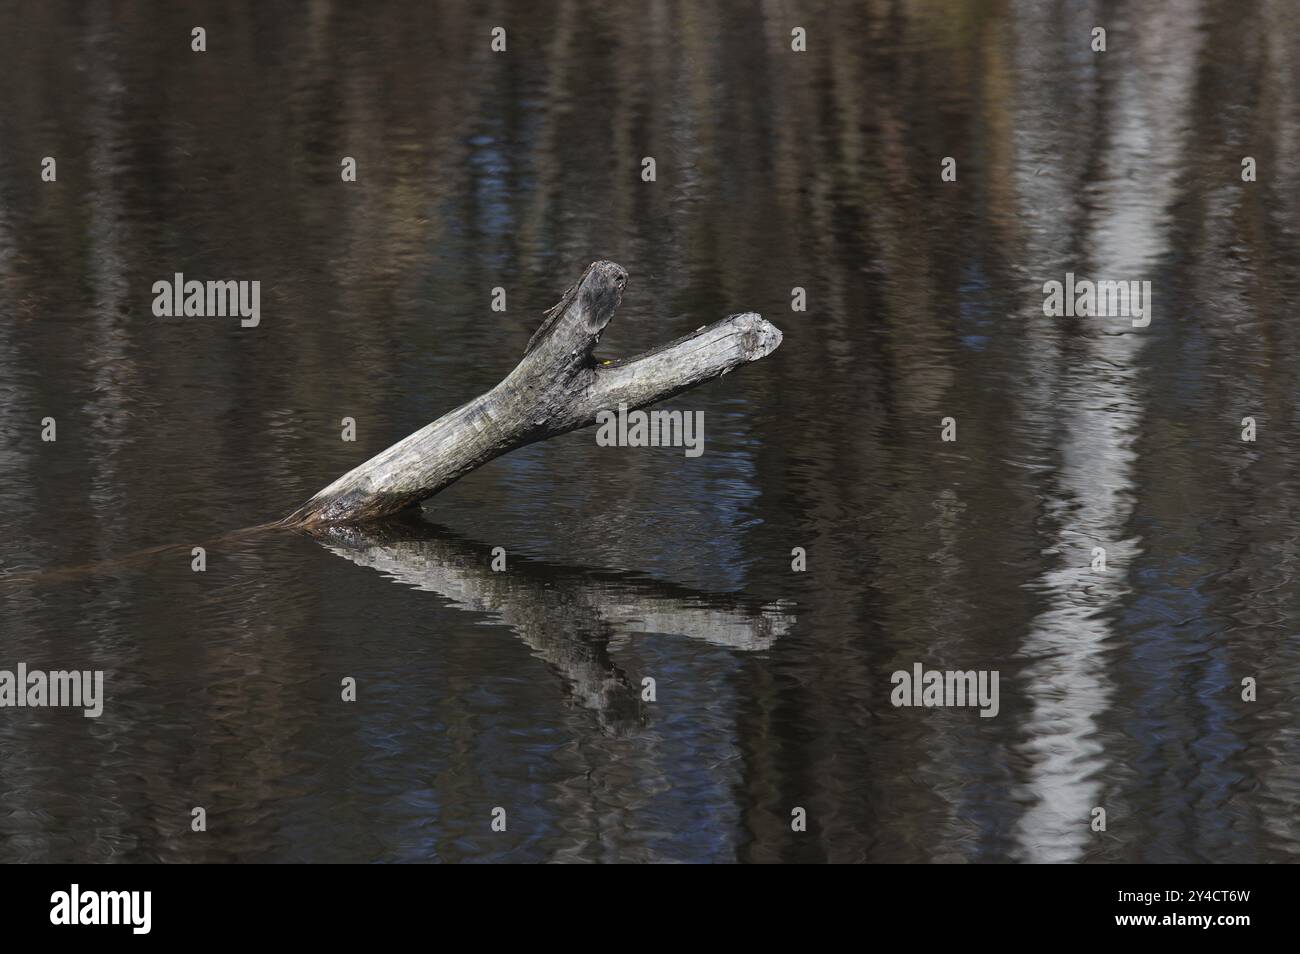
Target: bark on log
[557, 387]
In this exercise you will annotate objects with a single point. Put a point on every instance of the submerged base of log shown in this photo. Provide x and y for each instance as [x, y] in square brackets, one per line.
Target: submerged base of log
[557, 387]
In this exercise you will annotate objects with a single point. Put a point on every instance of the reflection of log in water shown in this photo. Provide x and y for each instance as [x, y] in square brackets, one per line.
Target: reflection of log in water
[567, 616]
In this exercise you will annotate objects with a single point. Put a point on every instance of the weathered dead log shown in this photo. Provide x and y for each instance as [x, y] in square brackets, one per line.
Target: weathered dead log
[557, 387]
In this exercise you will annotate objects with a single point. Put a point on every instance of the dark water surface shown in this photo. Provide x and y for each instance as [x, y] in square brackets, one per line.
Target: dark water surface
[1119, 689]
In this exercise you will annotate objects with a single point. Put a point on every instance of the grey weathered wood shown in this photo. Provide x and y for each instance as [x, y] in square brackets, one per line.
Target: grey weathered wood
[557, 387]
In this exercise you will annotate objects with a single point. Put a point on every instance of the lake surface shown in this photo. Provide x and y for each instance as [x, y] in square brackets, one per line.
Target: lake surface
[1120, 689]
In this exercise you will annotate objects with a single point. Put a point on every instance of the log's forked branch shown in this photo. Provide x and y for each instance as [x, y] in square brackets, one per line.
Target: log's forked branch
[557, 387]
